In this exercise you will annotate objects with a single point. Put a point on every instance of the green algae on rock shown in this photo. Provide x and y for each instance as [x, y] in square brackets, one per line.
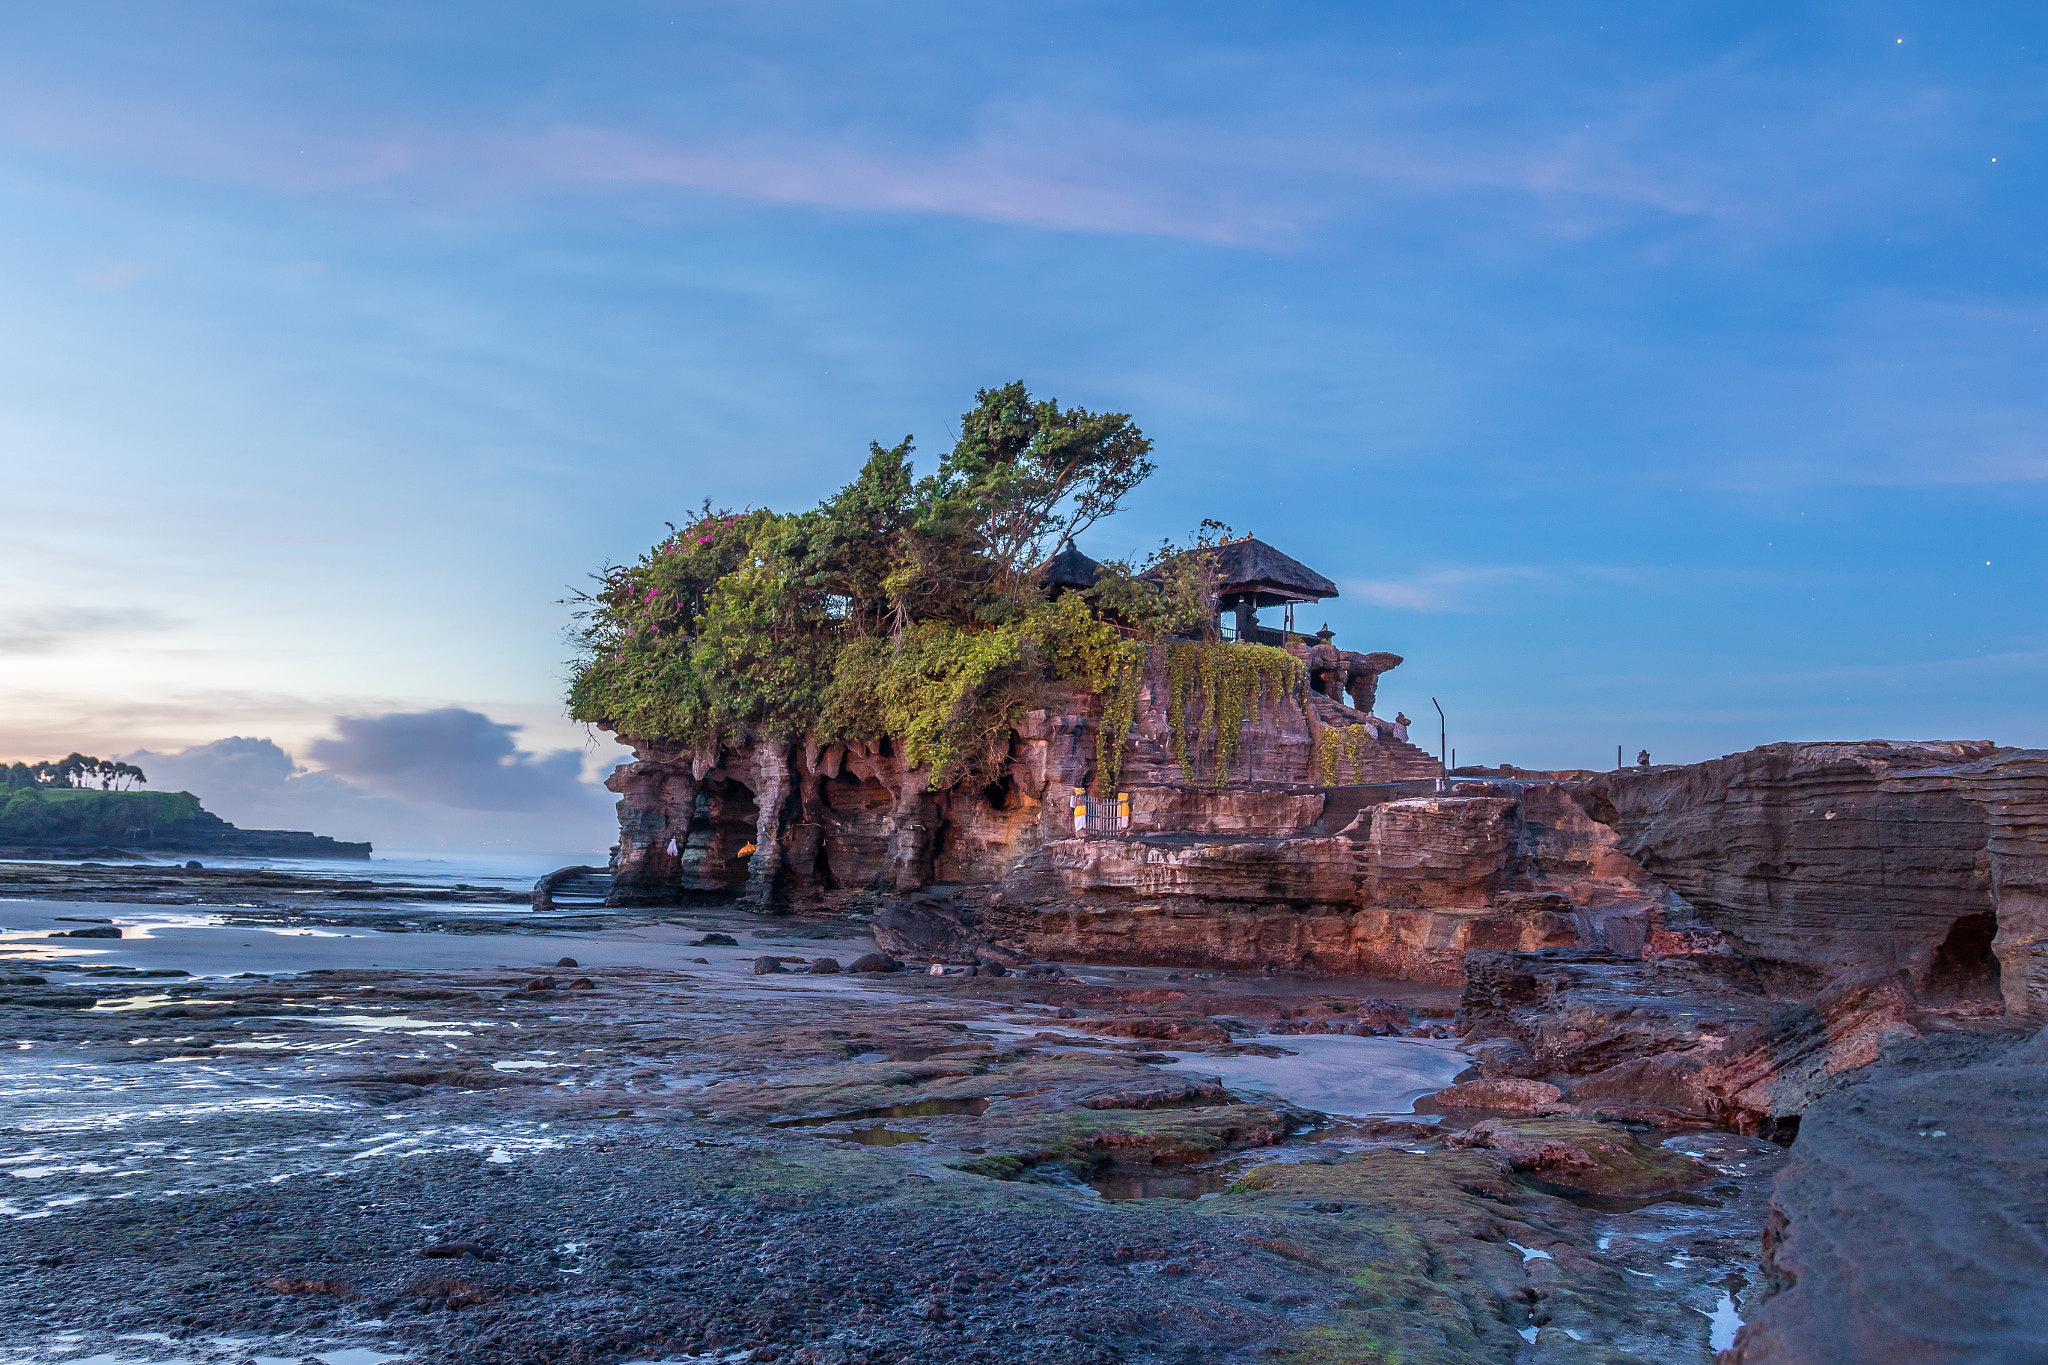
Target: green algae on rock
[1577, 1154]
[1442, 1258]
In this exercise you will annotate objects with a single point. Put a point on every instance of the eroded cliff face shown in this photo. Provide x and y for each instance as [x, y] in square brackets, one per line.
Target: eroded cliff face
[1390, 877]
[1925, 858]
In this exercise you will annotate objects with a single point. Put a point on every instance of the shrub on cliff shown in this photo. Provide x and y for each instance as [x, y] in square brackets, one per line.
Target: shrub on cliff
[901, 607]
[41, 813]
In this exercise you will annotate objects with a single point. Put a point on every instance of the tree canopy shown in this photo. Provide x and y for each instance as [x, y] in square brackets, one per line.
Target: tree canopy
[902, 606]
[73, 770]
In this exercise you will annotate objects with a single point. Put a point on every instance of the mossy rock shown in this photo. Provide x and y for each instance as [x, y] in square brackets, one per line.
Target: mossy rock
[1443, 1258]
[1082, 1141]
[1577, 1154]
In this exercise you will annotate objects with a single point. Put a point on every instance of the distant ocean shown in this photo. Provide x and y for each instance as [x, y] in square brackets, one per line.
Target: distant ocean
[437, 868]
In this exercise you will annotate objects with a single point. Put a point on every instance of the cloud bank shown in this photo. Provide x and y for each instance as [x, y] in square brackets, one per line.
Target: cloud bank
[444, 780]
[451, 757]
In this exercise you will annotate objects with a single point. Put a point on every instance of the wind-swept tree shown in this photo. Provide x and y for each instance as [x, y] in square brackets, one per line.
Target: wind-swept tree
[900, 606]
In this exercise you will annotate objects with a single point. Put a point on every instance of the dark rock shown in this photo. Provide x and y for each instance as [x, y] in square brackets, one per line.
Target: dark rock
[767, 966]
[195, 866]
[875, 962]
[933, 929]
[101, 931]
[582, 983]
[1907, 1225]
[1577, 1154]
[715, 941]
[1381, 1017]
[566, 962]
[705, 960]
[824, 966]
[440, 1250]
[539, 983]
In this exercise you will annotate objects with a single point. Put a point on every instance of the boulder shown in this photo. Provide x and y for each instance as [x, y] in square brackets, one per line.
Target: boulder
[97, 931]
[824, 966]
[930, 927]
[1518, 1096]
[1380, 1017]
[1697, 1036]
[1576, 1154]
[715, 941]
[767, 966]
[874, 962]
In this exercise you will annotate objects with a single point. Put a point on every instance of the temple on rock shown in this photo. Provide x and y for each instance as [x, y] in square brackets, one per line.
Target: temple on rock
[1245, 743]
[1252, 575]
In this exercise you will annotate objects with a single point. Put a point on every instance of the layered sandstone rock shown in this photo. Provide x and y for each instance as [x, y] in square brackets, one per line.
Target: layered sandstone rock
[1907, 1226]
[1262, 866]
[1702, 1038]
[767, 820]
[1929, 858]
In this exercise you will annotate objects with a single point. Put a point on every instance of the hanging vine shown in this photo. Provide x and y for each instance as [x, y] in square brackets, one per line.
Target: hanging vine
[1338, 748]
[1227, 682]
[1120, 682]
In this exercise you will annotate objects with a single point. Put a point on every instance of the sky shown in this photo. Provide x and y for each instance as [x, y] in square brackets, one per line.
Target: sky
[1669, 377]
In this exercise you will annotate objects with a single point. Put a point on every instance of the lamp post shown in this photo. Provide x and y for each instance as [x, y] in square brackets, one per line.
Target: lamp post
[1443, 738]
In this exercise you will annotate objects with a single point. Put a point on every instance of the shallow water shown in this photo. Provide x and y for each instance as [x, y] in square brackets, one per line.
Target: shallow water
[208, 945]
[1339, 1074]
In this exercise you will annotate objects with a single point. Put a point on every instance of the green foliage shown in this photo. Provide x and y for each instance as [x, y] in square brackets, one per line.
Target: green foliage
[900, 607]
[1119, 690]
[1336, 748]
[58, 812]
[1213, 690]
[1034, 474]
[73, 770]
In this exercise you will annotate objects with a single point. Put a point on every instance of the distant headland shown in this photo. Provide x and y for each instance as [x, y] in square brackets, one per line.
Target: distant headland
[76, 807]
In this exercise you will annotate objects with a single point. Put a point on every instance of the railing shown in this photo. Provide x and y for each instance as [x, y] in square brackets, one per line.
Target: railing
[1104, 816]
[1262, 635]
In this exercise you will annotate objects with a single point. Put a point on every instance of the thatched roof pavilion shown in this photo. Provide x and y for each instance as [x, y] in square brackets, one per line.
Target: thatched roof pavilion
[1068, 571]
[1251, 574]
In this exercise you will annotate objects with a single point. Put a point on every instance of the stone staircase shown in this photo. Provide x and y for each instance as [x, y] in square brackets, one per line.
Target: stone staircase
[572, 887]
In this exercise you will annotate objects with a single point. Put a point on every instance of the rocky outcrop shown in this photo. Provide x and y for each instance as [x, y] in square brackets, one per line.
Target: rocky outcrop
[1403, 943]
[1259, 863]
[1703, 1038]
[766, 820]
[1596, 1158]
[1928, 858]
[1907, 1227]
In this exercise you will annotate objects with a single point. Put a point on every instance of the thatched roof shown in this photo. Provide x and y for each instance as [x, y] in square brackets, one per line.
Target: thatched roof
[1069, 569]
[1252, 568]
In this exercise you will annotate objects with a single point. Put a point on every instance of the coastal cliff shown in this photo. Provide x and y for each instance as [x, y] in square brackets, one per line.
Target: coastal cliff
[83, 823]
[1238, 850]
[1926, 858]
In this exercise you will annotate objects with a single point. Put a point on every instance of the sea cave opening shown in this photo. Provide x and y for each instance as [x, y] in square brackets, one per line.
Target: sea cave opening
[1964, 966]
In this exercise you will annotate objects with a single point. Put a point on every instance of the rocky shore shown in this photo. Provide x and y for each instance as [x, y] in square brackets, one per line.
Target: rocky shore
[612, 1160]
[1645, 1066]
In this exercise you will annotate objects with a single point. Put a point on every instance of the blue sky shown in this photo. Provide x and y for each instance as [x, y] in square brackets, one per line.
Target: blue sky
[1670, 380]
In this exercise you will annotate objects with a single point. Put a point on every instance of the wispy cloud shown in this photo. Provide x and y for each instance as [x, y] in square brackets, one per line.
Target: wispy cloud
[1033, 163]
[51, 629]
[1466, 589]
